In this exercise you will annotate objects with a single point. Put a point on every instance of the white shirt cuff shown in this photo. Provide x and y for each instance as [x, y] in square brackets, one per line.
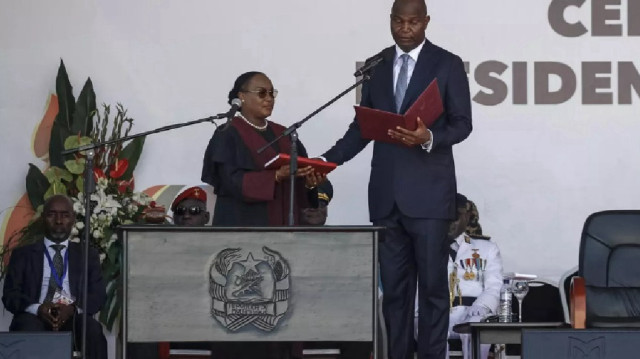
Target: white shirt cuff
[429, 144]
[33, 309]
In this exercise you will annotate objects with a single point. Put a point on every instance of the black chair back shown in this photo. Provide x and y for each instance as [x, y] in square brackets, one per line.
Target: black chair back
[541, 304]
[610, 265]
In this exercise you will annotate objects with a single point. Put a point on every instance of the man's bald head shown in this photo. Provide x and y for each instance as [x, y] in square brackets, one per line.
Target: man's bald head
[409, 22]
[419, 6]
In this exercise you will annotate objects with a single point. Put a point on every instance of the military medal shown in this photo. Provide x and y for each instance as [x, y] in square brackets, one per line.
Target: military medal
[465, 276]
[470, 265]
[475, 253]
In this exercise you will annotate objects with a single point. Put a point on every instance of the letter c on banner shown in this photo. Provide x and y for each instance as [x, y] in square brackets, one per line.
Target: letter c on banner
[558, 22]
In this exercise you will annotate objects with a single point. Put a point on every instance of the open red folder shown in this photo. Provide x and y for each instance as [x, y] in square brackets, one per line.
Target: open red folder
[374, 124]
[318, 165]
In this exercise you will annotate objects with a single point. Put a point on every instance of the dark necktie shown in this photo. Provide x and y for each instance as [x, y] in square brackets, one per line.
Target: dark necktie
[403, 81]
[59, 267]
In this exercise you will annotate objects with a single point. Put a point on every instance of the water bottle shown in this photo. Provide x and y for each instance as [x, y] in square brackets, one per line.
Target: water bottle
[504, 312]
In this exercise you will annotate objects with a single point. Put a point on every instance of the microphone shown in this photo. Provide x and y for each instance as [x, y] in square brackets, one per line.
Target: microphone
[236, 104]
[371, 62]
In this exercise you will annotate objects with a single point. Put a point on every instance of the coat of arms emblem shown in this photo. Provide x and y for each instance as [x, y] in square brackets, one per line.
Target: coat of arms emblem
[249, 288]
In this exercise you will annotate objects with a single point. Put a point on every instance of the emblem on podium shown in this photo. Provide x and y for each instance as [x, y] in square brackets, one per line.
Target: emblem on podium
[249, 288]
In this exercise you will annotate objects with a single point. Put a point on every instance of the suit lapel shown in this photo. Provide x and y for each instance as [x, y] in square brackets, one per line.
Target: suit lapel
[422, 75]
[38, 267]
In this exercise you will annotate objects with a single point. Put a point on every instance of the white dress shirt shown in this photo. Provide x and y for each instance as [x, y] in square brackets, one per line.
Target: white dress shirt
[411, 65]
[397, 63]
[46, 274]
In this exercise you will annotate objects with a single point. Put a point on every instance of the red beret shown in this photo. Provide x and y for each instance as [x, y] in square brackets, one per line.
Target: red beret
[189, 193]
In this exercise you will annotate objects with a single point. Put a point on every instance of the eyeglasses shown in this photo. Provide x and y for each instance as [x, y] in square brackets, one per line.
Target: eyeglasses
[262, 92]
[194, 211]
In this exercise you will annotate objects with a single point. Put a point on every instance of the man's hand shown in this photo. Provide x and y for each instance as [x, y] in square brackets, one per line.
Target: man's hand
[411, 138]
[314, 179]
[65, 312]
[283, 172]
[48, 312]
[477, 310]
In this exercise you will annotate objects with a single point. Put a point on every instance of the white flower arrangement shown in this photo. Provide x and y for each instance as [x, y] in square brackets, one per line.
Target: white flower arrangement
[110, 210]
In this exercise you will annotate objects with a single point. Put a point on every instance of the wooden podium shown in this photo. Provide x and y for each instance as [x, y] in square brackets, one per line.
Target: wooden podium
[195, 284]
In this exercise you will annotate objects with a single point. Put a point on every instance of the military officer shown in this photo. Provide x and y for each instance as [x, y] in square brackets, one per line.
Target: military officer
[475, 273]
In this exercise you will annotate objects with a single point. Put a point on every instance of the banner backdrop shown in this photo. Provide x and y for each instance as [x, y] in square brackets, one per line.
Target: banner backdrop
[555, 87]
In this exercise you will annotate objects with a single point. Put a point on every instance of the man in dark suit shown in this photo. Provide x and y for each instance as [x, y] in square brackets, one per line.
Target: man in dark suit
[42, 287]
[412, 186]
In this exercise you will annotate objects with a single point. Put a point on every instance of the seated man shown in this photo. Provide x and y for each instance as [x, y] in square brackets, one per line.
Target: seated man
[43, 290]
[190, 208]
[475, 274]
[318, 216]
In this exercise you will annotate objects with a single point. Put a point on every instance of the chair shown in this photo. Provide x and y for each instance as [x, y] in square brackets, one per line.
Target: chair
[564, 285]
[542, 303]
[606, 294]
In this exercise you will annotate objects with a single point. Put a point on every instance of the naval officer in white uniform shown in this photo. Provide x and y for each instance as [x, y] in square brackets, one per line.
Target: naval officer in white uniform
[475, 274]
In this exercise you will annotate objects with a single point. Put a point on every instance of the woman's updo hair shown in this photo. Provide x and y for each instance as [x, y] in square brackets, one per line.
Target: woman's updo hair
[240, 84]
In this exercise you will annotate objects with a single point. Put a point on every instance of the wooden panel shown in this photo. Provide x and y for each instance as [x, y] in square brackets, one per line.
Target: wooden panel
[331, 285]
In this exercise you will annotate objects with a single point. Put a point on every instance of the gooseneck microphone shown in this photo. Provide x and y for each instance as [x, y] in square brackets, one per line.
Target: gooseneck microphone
[369, 64]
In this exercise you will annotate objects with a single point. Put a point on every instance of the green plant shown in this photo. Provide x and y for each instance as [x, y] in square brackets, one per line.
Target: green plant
[114, 201]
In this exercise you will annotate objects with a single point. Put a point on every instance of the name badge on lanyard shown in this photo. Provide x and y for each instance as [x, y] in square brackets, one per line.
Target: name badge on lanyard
[60, 296]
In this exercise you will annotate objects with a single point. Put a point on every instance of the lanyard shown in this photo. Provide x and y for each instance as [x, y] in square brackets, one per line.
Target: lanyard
[59, 279]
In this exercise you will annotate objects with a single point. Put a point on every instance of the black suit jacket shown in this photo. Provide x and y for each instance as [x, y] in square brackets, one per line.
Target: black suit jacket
[23, 282]
[422, 184]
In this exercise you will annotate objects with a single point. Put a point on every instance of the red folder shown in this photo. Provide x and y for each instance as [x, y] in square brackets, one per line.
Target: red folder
[317, 164]
[374, 124]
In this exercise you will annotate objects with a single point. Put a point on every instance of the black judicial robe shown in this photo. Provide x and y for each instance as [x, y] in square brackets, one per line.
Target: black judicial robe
[246, 193]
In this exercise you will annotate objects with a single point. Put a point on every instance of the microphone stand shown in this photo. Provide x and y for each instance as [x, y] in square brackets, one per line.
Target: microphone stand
[89, 189]
[292, 132]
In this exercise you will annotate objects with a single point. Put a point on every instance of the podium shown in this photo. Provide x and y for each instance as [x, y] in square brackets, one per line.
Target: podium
[191, 284]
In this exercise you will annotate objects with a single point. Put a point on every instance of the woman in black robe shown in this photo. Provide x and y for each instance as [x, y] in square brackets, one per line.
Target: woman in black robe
[246, 193]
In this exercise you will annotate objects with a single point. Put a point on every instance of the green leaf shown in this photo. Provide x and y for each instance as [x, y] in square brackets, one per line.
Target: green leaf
[74, 141]
[59, 134]
[85, 110]
[37, 185]
[114, 313]
[58, 174]
[104, 313]
[80, 184]
[132, 152]
[111, 310]
[56, 188]
[66, 101]
[62, 125]
[76, 166]
[113, 254]
[39, 211]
